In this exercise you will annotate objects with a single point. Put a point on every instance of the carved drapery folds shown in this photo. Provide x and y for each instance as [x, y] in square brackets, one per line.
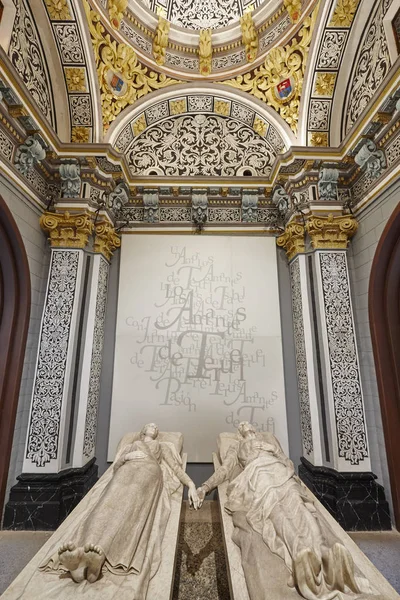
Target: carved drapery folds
[106, 240]
[292, 240]
[66, 230]
[331, 232]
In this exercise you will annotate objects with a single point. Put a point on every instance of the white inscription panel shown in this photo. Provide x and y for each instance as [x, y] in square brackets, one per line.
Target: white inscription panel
[198, 339]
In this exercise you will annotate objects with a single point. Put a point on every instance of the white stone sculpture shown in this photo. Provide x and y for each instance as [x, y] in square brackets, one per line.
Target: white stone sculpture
[123, 532]
[270, 507]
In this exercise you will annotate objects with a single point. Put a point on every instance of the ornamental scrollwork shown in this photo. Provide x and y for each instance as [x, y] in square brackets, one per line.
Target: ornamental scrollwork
[293, 239]
[42, 445]
[370, 68]
[331, 232]
[279, 81]
[66, 230]
[205, 52]
[27, 57]
[344, 13]
[328, 184]
[346, 386]
[199, 145]
[122, 79]
[117, 11]
[301, 358]
[106, 240]
[89, 440]
[249, 207]
[371, 159]
[70, 175]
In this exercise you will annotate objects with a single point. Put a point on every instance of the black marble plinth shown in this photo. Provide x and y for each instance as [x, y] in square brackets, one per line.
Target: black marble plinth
[355, 500]
[43, 501]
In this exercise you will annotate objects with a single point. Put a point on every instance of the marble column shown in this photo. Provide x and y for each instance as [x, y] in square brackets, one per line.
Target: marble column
[336, 460]
[59, 464]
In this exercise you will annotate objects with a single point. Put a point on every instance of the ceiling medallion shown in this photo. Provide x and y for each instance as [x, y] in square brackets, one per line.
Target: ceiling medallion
[122, 78]
[279, 81]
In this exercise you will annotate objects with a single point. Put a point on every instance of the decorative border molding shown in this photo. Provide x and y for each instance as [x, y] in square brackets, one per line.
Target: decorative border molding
[301, 358]
[344, 366]
[42, 444]
[89, 441]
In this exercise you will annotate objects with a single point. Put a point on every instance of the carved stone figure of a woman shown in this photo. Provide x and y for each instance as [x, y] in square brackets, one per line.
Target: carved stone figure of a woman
[123, 532]
[274, 504]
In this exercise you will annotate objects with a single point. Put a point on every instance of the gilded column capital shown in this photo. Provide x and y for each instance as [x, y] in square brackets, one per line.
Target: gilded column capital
[292, 240]
[331, 232]
[67, 230]
[106, 240]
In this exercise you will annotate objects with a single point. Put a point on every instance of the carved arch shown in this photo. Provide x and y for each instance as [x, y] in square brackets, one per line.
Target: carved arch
[15, 303]
[384, 318]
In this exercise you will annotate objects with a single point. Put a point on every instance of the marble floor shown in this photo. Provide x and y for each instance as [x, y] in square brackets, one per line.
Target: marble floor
[201, 567]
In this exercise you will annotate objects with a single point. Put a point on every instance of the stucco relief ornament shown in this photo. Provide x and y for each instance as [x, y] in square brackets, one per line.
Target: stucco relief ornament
[119, 197]
[279, 81]
[281, 199]
[205, 51]
[249, 207]
[150, 201]
[117, 11]
[122, 79]
[199, 207]
[28, 154]
[160, 41]
[294, 9]
[70, 179]
[327, 184]
[371, 159]
[249, 36]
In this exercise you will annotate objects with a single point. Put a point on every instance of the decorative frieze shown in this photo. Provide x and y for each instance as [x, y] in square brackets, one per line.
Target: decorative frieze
[66, 230]
[331, 232]
[292, 240]
[106, 240]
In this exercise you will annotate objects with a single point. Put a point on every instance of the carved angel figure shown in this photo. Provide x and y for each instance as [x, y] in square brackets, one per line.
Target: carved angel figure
[266, 498]
[123, 532]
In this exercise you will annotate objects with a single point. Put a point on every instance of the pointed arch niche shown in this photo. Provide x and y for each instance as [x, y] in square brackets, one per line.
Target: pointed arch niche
[15, 303]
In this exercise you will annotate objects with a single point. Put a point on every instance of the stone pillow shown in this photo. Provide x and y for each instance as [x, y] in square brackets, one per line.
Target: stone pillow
[174, 437]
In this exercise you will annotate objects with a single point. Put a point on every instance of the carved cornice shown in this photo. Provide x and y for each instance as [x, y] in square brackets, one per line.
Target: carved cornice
[66, 230]
[331, 232]
[293, 239]
[106, 239]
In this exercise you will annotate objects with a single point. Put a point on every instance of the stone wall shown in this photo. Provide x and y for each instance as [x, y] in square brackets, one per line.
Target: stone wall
[38, 252]
[372, 222]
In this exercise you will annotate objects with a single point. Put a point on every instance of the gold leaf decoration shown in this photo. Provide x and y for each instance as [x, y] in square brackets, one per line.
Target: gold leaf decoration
[260, 126]
[122, 78]
[325, 84]
[318, 138]
[249, 36]
[160, 41]
[75, 78]
[177, 107]
[294, 9]
[205, 51]
[139, 125]
[331, 232]
[66, 230]
[344, 13]
[58, 10]
[292, 240]
[279, 81]
[80, 134]
[106, 239]
[221, 107]
[116, 12]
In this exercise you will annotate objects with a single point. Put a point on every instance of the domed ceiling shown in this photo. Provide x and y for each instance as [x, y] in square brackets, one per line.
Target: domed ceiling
[201, 14]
